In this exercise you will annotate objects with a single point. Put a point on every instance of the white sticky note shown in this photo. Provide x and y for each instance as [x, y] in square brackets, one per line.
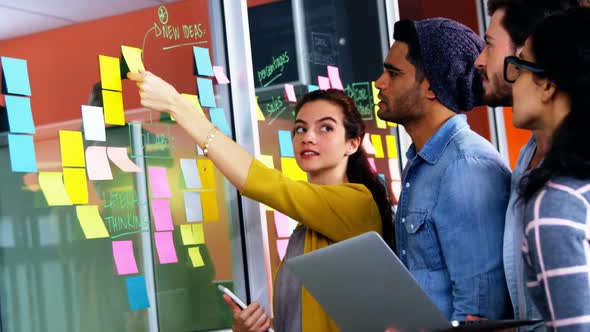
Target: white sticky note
[192, 206]
[93, 123]
[190, 173]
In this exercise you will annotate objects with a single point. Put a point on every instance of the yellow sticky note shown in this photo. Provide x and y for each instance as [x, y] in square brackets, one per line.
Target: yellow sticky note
[110, 72]
[259, 114]
[198, 233]
[378, 145]
[113, 107]
[186, 231]
[194, 100]
[209, 204]
[380, 123]
[132, 58]
[91, 221]
[391, 146]
[72, 148]
[376, 99]
[206, 172]
[391, 124]
[76, 185]
[291, 169]
[196, 258]
[53, 188]
[267, 160]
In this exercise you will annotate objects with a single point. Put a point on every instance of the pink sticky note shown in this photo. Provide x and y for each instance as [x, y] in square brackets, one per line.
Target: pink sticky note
[290, 93]
[282, 224]
[367, 145]
[124, 257]
[165, 247]
[372, 163]
[394, 172]
[334, 75]
[282, 247]
[220, 75]
[120, 158]
[323, 82]
[97, 163]
[159, 182]
[161, 214]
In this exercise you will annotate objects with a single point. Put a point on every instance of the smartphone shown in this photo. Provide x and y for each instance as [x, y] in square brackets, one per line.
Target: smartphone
[233, 296]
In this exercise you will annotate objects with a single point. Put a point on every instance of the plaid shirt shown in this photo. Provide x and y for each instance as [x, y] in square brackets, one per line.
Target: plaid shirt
[556, 250]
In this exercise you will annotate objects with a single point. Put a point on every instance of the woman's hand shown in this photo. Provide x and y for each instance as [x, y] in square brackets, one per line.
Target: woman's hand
[251, 319]
[156, 94]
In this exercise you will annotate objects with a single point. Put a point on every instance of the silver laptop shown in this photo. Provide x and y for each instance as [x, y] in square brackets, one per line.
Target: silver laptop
[363, 286]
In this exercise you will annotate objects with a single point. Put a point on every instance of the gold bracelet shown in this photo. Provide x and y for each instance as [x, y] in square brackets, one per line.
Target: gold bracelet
[209, 139]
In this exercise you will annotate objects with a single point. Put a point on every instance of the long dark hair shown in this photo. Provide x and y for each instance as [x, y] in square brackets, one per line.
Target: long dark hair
[358, 169]
[561, 45]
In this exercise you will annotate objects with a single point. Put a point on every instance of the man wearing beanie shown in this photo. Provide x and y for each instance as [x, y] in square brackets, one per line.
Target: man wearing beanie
[450, 217]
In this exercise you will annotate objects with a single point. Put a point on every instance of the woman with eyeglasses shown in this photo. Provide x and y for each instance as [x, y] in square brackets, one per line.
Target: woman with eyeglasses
[551, 91]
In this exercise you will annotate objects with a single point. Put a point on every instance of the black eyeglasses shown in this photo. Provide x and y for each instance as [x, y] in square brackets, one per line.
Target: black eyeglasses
[512, 66]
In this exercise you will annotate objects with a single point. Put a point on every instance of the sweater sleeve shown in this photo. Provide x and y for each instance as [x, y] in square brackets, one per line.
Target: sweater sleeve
[337, 212]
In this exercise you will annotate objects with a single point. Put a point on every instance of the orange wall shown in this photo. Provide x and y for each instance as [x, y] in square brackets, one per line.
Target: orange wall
[516, 138]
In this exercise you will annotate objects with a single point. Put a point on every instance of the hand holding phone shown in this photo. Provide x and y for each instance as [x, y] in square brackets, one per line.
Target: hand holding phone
[236, 299]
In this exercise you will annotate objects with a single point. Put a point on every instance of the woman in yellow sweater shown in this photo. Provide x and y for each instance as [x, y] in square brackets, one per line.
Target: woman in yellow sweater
[343, 198]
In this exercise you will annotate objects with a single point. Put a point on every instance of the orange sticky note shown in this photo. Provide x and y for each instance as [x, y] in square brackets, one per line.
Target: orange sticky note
[206, 172]
[76, 185]
[391, 146]
[209, 204]
[72, 148]
[110, 73]
[291, 169]
[113, 107]
[378, 145]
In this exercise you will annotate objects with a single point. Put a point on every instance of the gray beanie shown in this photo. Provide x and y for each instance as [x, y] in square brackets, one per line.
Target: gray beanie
[447, 50]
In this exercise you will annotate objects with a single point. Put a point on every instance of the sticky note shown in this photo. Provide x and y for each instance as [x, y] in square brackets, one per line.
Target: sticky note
[394, 171]
[91, 221]
[282, 247]
[396, 189]
[54, 190]
[334, 76]
[218, 118]
[119, 156]
[286, 144]
[206, 172]
[367, 145]
[291, 169]
[198, 233]
[372, 164]
[159, 182]
[381, 177]
[186, 232]
[375, 91]
[194, 100]
[290, 93]
[93, 123]
[378, 122]
[20, 116]
[72, 148]
[76, 185]
[391, 124]
[312, 88]
[206, 94]
[195, 255]
[192, 206]
[282, 224]
[124, 257]
[378, 145]
[15, 76]
[162, 215]
[190, 173]
[220, 75]
[131, 60]
[97, 163]
[209, 203]
[110, 73]
[391, 145]
[202, 61]
[324, 82]
[113, 107]
[259, 114]
[137, 293]
[267, 160]
[165, 247]
[22, 153]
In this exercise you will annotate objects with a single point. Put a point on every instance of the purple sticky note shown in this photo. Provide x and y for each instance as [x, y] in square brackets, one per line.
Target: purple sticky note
[165, 247]
[334, 75]
[282, 224]
[124, 257]
[162, 215]
[159, 182]
[290, 93]
[282, 247]
[323, 82]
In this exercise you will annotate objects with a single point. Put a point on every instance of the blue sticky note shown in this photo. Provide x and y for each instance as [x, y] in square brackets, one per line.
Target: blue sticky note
[382, 177]
[22, 153]
[218, 118]
[15, 77]
[286, 144]
[202, 61]
[206, 94]
[311, 88]
[137, 292]
[20, 117]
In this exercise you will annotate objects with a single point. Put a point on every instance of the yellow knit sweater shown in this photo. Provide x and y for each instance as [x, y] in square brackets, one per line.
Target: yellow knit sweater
[331, 213]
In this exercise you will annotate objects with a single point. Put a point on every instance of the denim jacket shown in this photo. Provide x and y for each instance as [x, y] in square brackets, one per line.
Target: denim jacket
[450, 221]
